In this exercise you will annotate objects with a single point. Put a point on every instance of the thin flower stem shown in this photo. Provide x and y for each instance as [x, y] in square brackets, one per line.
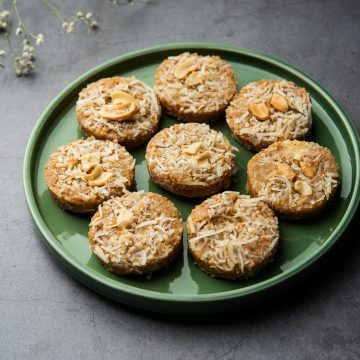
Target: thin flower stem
[13, 53]
[9, 43]
[20, 22]
[12, 11]
[27, 34]
[17, 13]
[54, 9]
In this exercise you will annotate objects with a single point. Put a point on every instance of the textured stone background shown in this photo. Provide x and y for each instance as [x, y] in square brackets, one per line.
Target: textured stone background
[45, 314]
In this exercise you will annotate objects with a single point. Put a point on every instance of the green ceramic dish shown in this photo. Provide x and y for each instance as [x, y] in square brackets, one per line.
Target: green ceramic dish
[183, 288]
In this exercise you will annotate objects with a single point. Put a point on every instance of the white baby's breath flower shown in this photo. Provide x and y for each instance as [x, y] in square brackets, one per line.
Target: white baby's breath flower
[25, 62]
[3, 26]
[68, 27]
[2, 55]
[71, 26]
[93, 24]
[4, 14]
[4, 17]
[18, 31]
[88, 16]
[39, 39]
[28, 48]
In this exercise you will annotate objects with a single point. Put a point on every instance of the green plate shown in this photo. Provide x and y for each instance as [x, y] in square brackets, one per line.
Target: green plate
[182, 287]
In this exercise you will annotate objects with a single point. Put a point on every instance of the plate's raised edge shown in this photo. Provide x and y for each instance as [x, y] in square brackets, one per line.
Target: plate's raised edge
[226, 295]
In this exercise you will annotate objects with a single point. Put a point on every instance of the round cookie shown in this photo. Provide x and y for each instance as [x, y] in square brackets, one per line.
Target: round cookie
[82, 174]
[136, 234]
[119, 108]
[267, 111]
[190, 160]
[232, 236]
[297, 178]
[195, 88]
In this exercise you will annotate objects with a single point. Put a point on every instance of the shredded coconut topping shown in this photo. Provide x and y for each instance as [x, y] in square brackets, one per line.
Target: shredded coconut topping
[96, 95]
[155, 228]
[295, 123]
[192, 153]
[208, 86]
[233, 233]
[66, 176]
[294, 175]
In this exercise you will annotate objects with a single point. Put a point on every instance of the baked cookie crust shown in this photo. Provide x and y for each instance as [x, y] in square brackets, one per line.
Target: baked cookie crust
[137, 233]
[195, 88]
[232, 236]
[297, 178]
[133, 131]
[70, 174]
[191, 160]
[267, 111]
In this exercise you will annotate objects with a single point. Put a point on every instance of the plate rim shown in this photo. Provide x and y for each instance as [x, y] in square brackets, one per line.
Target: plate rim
[81, 272]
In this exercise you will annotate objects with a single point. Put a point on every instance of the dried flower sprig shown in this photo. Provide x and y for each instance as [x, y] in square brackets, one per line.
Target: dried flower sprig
[69, 24]
[23, 55]
[80, 18]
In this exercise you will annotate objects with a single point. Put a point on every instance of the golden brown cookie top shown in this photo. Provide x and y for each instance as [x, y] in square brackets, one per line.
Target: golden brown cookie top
[191, 153]
[267, 111]
[232, 232]
[89, 169]
[135, 229]
[119, 107]
[195, 83]
[294, 175]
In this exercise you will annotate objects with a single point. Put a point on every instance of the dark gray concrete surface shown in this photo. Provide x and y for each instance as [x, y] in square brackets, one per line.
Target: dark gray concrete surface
[45, 314]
